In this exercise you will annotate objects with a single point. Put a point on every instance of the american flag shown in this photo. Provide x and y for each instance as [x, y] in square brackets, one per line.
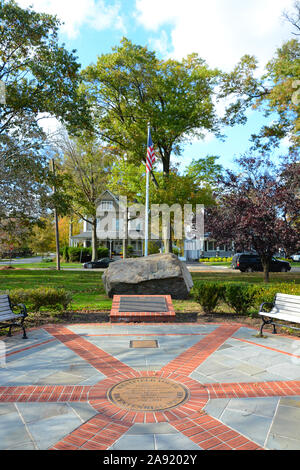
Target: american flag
[150, 153]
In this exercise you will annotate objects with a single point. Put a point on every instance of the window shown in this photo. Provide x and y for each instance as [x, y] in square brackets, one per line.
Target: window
[106, 205]
[211, 246]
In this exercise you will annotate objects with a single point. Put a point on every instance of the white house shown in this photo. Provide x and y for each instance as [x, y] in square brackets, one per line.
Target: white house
[111, 234]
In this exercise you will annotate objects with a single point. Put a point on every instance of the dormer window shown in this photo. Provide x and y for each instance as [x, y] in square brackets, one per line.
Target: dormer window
[106, 205]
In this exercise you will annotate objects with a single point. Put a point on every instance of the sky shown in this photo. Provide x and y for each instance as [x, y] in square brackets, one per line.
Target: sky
[220, 31]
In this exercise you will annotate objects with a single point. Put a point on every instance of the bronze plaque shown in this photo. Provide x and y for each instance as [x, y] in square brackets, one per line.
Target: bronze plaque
[143, 343]
[148, 394]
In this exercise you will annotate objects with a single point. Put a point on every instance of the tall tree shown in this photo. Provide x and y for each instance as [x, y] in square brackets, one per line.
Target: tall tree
[130, 86]
[39, 74]
[276, 93]
[193, 185]
[85, 168]
[258, 208]
[39, 77]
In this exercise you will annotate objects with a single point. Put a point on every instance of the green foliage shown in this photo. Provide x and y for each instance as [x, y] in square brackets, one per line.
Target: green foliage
[275, 92]
[81, 254]
[152, 248]
[216, 260]
[208, 294]
[65, 254]
[267, 293]
[131, 86]
[241, 297]
[35, 299]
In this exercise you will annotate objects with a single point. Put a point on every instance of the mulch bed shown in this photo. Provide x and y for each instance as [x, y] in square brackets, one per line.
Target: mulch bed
[40, 319]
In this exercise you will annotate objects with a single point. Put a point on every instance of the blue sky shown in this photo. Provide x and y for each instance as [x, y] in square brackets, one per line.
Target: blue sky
[220, 31]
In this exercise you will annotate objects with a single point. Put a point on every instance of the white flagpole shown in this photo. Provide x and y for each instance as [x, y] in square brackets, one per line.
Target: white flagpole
[147, 201]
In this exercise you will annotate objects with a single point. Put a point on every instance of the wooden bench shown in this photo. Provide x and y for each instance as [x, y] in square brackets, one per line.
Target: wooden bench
[7, 316]
[285, 307]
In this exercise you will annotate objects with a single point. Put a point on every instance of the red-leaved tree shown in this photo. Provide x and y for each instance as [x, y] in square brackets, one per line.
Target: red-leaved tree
[258, 208]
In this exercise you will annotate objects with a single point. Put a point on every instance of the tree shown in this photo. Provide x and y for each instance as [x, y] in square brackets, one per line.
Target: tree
[14, 236]
[294, 18]
[276, 93]
[194, 185]
[40, 76]
[42, 239]
[130, 86]
[258, 208]
[85, 167]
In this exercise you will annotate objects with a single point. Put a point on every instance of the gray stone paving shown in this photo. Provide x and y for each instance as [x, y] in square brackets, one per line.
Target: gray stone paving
[271, 422]
[158, 436]
[50, 363]
[29, 426]
[237, 361]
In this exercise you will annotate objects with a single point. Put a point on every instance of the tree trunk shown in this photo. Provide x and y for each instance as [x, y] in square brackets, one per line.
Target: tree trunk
[266, 268]
[94, 239]
[166, 171]
[125, 235]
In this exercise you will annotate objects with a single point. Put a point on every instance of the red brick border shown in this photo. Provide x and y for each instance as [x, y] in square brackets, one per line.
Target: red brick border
[155, 317]
[110, 423]
[190, 359]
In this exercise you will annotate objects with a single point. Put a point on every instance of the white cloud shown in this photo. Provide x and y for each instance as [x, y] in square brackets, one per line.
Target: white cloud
[76, 13]
[220, 31]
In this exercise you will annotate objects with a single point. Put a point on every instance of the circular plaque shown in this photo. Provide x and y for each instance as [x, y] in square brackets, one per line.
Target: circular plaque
[148, 394]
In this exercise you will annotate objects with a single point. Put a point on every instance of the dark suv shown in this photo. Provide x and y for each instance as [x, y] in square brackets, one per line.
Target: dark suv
[249, 262]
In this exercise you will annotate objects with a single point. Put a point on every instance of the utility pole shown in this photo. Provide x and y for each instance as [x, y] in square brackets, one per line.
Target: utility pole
[52, 166]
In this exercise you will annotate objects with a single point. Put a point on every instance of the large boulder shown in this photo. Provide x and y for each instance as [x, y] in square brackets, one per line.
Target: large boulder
[151, 275]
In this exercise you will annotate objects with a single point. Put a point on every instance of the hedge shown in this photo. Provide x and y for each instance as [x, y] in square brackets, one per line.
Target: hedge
[34, 299]
[242, 297]
[81, 254]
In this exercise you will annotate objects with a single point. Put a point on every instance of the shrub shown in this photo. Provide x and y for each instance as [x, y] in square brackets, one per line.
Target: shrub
[65, 254]
[34, 299]
[267, 293]
[208, 294]
[82, 255]
[241, 296]
[153, 248]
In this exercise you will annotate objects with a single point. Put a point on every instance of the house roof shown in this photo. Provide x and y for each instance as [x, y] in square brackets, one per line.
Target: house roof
[107, 191]
[82, 235]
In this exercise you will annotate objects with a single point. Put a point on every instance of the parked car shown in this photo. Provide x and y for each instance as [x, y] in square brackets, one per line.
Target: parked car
[101, 263]
[296, 257]
[250, 262]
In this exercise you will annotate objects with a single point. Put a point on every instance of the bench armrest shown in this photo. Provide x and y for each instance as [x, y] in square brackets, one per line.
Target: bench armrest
[262, 307]
[23, 309]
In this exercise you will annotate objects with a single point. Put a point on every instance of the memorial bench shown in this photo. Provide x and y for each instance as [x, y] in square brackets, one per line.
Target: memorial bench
[8, 318]
[285, 307]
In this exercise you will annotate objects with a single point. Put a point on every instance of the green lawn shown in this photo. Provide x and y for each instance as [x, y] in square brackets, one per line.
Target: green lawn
[89, 294]
[45, 265]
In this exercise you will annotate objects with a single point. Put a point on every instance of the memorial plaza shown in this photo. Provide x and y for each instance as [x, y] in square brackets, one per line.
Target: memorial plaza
[150, 386]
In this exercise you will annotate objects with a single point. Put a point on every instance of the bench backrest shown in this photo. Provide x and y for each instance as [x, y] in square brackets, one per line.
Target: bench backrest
[5, 306]
[288, 304]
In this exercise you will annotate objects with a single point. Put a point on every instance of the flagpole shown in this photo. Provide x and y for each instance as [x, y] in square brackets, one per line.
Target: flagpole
[147, 201]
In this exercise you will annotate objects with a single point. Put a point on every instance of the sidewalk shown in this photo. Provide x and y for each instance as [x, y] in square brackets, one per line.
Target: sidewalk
[213, 387]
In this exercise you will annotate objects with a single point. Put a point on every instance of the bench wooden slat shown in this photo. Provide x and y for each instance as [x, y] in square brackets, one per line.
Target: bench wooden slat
[9, 317]
[285, 318]
[288, 298]
[286, 307]
[290, 305]
[278, 309]
[6, 312]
